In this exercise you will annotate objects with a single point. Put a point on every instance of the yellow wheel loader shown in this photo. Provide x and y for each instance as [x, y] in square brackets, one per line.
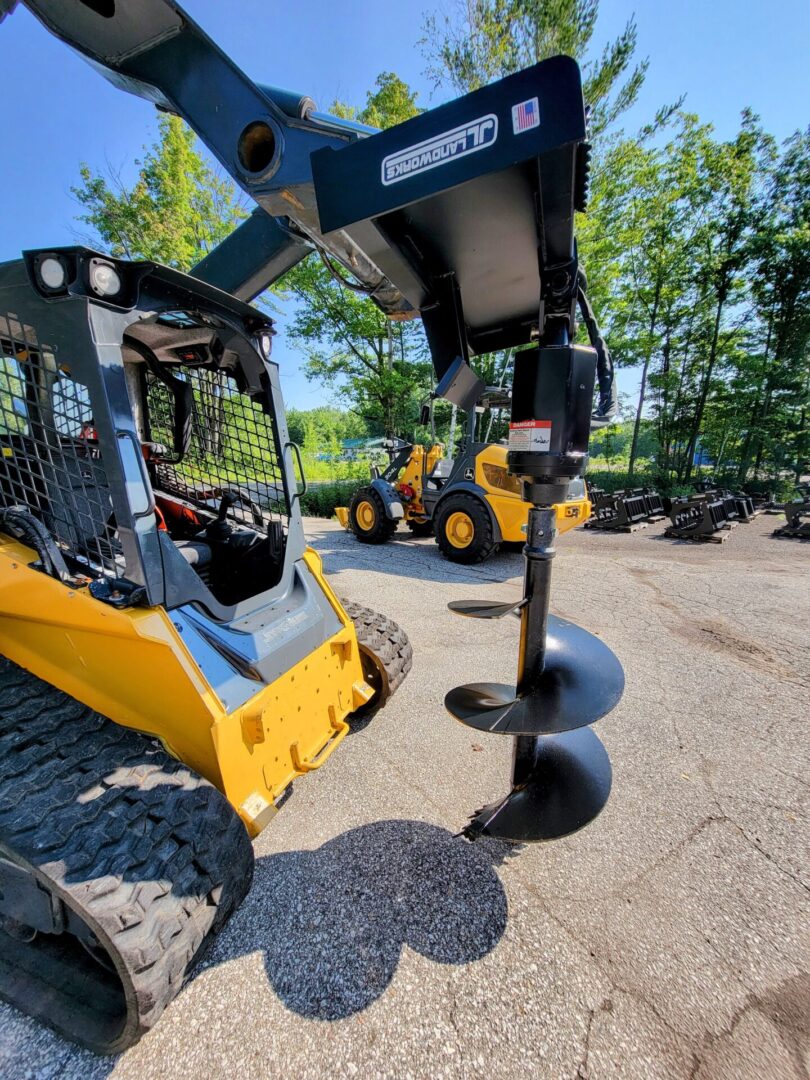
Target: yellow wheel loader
[172, 658]
[471, 504]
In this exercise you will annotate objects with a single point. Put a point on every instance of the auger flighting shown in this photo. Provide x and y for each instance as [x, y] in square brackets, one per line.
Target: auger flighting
[567, 678]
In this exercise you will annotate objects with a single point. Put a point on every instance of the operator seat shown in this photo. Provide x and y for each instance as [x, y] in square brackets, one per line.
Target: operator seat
[440, 474]
[196, 552]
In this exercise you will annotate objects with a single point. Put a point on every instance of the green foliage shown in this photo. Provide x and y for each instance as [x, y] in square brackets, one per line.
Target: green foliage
[321, 500]
[13, 411]
[379, 369]
[620, 479]
[392, 102]
[697, 250]
[493, 38]
[177, 210]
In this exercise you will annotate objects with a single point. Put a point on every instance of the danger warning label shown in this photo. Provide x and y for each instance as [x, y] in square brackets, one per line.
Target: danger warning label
[532, 435]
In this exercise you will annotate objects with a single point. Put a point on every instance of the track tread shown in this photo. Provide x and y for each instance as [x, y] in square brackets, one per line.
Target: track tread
[388, 643]
[147, 851]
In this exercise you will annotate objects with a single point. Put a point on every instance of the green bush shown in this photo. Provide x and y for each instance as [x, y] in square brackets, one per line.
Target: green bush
[616, 480]
[321, 499]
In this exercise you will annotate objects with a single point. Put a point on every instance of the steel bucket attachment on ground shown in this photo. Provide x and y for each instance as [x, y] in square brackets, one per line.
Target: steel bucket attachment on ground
[624, 511]
[797, 520]
[707, 515]
[567, 679]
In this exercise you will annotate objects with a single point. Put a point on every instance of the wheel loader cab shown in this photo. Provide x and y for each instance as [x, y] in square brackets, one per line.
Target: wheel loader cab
[440, 473]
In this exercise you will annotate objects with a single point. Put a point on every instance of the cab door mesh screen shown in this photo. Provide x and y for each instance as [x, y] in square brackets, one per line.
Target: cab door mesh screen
[50, 459]
[233, 447]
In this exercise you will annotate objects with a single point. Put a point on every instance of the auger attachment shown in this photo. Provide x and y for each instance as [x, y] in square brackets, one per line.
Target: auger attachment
[567, 678]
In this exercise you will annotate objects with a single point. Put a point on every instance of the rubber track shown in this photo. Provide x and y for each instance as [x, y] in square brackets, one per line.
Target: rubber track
[386, 640]
[150, 854]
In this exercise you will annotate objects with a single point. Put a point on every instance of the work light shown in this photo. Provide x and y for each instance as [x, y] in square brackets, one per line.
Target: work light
[104, 278]
[52, 272]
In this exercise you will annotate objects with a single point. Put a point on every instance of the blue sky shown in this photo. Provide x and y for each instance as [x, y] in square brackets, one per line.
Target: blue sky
[55, 111]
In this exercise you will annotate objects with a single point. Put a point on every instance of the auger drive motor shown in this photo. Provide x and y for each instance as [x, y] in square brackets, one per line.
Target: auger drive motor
[172, 656]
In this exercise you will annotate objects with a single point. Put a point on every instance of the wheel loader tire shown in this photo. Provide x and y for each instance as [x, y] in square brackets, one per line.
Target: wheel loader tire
[386, 650]
[141, 860]
[464, 530]
[421, 528]
[368, 519]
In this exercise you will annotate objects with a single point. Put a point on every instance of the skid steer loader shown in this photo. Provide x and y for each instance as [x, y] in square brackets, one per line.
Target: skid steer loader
[153, 571]
[171, 655]
[469, 503]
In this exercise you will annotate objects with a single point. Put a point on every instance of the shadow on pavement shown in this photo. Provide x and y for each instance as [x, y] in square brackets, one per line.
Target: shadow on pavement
[409, 557]
[338, 917]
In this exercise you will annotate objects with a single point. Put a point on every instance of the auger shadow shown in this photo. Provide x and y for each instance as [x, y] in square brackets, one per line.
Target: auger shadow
[332, 922]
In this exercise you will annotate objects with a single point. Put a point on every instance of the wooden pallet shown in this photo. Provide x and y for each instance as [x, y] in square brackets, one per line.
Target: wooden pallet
[718, 537]
[616, 528]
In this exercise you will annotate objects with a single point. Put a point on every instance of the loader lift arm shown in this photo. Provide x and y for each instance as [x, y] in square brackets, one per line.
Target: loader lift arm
[393, 235]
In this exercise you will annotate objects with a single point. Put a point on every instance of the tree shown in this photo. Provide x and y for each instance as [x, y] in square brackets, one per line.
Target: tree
[779, 372]
[176, 211]
[390, 103]
[378, 367]
[493, 38]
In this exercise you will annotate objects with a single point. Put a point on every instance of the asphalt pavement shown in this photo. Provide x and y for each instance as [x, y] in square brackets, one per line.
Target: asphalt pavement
[669, 939]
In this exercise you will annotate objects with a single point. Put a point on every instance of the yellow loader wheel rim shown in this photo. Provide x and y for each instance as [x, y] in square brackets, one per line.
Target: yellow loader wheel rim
[366, 515]
[460, 529]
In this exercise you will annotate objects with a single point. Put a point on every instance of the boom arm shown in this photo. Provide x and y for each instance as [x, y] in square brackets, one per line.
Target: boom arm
[463, 214]
[263, 137]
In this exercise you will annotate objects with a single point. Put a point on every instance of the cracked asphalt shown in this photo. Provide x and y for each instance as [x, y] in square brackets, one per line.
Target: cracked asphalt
[669, 939]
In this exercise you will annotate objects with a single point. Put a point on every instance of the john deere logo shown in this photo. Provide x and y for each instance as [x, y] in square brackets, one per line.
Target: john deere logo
[477, 135]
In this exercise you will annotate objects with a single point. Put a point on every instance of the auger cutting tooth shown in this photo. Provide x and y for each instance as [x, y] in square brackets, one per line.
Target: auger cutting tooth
[565, 789]
[485, 609]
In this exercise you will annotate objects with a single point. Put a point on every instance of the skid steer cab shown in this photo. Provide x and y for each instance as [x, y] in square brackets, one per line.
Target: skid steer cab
[470, 503]
[153, 577]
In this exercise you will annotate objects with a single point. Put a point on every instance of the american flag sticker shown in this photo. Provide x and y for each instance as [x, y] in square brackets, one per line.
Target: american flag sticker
[526, 115]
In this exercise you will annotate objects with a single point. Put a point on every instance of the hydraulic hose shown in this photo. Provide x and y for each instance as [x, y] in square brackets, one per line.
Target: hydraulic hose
[20, 523]
[608, 406]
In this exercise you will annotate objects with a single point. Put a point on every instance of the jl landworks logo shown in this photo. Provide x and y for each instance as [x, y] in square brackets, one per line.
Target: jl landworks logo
[450, 145]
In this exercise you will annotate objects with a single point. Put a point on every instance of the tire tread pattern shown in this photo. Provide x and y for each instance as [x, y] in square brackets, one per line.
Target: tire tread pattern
[386, 641]
[146, 851]
[483, 543]
[384, 527]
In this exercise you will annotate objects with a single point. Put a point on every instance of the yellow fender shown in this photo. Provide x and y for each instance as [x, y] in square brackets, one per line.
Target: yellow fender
[503, 493]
